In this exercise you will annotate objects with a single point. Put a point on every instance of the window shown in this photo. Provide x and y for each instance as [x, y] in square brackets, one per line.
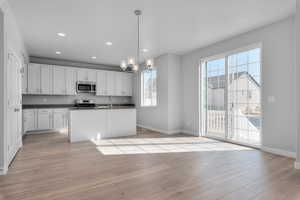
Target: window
[148, 88]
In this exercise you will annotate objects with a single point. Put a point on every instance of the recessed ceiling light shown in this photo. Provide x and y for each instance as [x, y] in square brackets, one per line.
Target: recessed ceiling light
[62, 34]
[145, 50]
[58, 52]
[93, 57]
[108, 43]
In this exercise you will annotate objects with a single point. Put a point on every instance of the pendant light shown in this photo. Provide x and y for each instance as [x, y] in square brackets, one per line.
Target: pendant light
[132, 63]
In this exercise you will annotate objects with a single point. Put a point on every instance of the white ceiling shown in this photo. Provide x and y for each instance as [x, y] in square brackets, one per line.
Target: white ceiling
[168, 26]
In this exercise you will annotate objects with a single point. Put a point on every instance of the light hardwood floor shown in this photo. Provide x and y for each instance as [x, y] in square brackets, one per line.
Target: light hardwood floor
[48, 167]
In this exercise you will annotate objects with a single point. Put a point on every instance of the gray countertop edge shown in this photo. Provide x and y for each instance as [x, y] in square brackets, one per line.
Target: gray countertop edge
[71, 106]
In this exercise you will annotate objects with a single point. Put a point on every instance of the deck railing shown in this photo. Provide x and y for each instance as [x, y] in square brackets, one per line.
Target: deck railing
[240, 128]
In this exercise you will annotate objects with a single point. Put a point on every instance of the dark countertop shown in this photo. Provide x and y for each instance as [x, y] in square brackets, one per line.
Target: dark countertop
[72, 107]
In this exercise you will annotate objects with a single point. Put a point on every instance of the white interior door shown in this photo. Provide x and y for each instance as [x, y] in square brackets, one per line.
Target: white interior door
[232, 97]
[14, 86]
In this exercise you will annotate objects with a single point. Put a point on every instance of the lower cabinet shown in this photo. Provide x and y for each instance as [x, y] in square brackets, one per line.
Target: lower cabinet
[29, 120]
[60, 119]
[44, 119]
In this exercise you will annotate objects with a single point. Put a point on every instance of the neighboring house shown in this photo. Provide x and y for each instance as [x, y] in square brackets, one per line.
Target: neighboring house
[246, 97]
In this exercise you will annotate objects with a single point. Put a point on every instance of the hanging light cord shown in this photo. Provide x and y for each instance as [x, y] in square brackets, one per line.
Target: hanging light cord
[138, 40]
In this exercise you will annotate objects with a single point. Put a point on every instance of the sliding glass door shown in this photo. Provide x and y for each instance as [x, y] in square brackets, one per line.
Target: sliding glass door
[232, 92]
[215, 91]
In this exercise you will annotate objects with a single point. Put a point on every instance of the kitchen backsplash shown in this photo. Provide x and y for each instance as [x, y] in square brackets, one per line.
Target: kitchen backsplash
[44, 99]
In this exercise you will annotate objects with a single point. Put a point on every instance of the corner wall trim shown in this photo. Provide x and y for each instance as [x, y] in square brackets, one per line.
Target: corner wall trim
[279, 152]
[297, 165]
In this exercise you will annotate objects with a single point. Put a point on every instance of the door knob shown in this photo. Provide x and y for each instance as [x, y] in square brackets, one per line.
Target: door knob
[17, 109]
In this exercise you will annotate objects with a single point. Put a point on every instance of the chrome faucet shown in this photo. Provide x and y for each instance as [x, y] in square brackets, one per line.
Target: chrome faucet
[110, 100]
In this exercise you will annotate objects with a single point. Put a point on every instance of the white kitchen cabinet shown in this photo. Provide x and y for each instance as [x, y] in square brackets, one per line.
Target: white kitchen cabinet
[44, 119]
[110, 83]
[87, 75]
[118, 79]
[127, 84]
[82, 74]
[125, 120]
[87, 125]
[29, 120]
[71, 79]
[46, 79]
[59, 82]
[101, 83]
[92, 75]
[34, 78]
[24, 79]
[59, 118]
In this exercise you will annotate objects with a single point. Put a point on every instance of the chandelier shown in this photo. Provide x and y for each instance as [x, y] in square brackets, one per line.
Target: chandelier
[132, 62]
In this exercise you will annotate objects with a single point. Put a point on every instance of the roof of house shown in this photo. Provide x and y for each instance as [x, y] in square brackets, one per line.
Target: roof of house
[217, 82]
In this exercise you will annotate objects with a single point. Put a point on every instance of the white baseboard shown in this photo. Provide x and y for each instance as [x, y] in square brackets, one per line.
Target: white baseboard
[160, 130]
[189, 132]
[279, 152]
[39, 132]
[3, 171]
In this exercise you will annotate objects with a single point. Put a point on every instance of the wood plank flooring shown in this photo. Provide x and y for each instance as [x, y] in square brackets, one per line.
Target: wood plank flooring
[48, 167]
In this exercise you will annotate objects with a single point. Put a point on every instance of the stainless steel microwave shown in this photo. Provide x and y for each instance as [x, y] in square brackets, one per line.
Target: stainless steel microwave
[85, 87]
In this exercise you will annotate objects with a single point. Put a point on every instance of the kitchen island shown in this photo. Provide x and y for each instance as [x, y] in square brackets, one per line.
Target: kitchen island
[101, 122]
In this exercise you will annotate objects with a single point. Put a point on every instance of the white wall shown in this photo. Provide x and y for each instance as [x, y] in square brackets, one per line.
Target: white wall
[2, 93]
[297, 31]
[165, 117]
[174, 93]
[278, 75]
[155, 117]
[62, 99]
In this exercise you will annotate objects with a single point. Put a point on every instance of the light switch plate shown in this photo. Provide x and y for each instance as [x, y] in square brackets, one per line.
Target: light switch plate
[271, 99]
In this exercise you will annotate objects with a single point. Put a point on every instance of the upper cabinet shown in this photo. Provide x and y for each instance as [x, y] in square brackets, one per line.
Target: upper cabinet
[57, 80]
[46, 80]
[127, 82]
[92, 75]
[82, 75]
[24, 79]
[101, 83]
[71, 79]
[118, 76]
[34, 79]
[86, 75]
[110, 83]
